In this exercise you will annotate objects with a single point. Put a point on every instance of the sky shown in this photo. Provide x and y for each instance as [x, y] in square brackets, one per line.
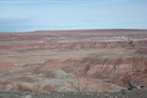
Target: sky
[32, 15]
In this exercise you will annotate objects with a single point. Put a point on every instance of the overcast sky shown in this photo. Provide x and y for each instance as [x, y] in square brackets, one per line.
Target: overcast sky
[30, 15]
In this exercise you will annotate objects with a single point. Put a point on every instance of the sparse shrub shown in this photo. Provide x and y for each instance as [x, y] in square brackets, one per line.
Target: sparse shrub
[131, 81]
[37, 87]
[131, 84]
[22, 88]
[49, 88]
[79, 84]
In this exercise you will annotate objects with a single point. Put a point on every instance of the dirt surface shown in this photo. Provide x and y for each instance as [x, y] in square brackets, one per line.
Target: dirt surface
[122, 94]
[73, 60]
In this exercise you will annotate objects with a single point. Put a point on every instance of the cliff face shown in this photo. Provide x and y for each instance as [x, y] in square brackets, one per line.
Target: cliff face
[92, 60]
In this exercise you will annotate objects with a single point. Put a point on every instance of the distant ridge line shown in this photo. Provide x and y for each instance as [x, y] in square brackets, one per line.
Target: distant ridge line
[83, 31]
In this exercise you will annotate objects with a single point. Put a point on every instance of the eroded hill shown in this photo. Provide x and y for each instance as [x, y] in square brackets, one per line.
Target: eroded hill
[80, 60]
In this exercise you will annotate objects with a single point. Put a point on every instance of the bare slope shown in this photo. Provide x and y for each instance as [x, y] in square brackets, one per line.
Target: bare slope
[76, 60]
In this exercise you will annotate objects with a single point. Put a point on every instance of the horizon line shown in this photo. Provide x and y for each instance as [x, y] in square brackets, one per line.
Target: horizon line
[111, 29]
